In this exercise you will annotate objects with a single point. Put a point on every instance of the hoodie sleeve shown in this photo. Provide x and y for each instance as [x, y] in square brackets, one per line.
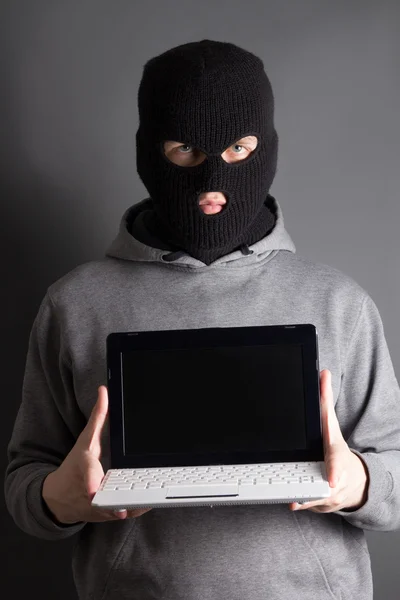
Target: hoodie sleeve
[42, 434]
[369, 407]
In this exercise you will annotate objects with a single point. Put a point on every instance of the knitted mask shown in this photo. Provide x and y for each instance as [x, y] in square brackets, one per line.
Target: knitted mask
[207, 95]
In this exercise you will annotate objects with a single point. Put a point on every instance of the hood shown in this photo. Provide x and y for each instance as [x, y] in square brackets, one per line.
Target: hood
[126, 247]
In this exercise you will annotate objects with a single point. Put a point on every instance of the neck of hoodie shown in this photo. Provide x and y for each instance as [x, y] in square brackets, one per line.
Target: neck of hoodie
[126, 247]
[148, 230]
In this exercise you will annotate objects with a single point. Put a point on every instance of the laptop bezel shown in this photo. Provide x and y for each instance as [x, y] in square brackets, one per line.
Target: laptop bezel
[121, 342]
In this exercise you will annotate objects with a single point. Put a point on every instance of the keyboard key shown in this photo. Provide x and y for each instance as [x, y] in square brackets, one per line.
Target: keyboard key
[221, 489]
[172, 484]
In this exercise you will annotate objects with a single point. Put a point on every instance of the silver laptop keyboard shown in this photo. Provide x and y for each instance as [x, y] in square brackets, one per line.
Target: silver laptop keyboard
[271, 473]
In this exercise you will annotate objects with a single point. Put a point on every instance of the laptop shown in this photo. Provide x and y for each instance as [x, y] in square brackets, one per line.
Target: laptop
[214, 416]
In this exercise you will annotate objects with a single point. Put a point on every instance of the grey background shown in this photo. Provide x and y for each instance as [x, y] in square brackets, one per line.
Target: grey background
[69, 73]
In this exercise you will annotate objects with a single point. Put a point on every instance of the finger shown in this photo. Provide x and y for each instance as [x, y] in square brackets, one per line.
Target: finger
[107, 514]
[121, 513]
[307, 505]
[137, 512]
[101, 516]
[321, 508]
[133, 512]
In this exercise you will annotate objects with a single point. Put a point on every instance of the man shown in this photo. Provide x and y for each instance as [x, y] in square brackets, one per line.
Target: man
[208, 248]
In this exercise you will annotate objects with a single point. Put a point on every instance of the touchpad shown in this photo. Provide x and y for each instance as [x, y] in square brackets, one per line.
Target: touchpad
[202, 491]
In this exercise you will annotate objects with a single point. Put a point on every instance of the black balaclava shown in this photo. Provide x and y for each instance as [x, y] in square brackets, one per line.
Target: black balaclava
[208, 95]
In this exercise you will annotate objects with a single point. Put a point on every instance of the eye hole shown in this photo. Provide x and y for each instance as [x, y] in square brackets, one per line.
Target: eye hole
[185, 155]
[182, 154]
[241, 149]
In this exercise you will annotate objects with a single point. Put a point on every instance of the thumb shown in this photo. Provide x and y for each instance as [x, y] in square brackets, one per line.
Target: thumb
[95, 425]
[333, 434]
[92, 476]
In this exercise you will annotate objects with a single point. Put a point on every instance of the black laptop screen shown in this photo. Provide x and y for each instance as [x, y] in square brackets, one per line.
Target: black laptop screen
[217, 399]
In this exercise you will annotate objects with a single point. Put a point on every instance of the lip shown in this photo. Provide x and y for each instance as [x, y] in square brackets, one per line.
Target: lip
[212, 202]
[211, 209]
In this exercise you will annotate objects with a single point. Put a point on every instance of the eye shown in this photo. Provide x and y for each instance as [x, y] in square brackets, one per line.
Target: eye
[185, 149]
[237, 148]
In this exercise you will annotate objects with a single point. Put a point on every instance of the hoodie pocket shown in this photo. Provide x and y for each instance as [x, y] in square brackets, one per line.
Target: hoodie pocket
[311, 551]
[341, 551]
[233, 553]
[126, 548]
[97, 554]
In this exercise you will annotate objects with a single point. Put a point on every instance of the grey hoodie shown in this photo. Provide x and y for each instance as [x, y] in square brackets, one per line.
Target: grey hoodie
[264, 552]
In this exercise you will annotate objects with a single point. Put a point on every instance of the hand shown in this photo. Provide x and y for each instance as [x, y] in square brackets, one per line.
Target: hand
[69, 490]
[346, 472]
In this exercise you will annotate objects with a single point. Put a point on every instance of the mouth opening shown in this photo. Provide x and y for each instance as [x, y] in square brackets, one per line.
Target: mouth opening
[212, 203]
